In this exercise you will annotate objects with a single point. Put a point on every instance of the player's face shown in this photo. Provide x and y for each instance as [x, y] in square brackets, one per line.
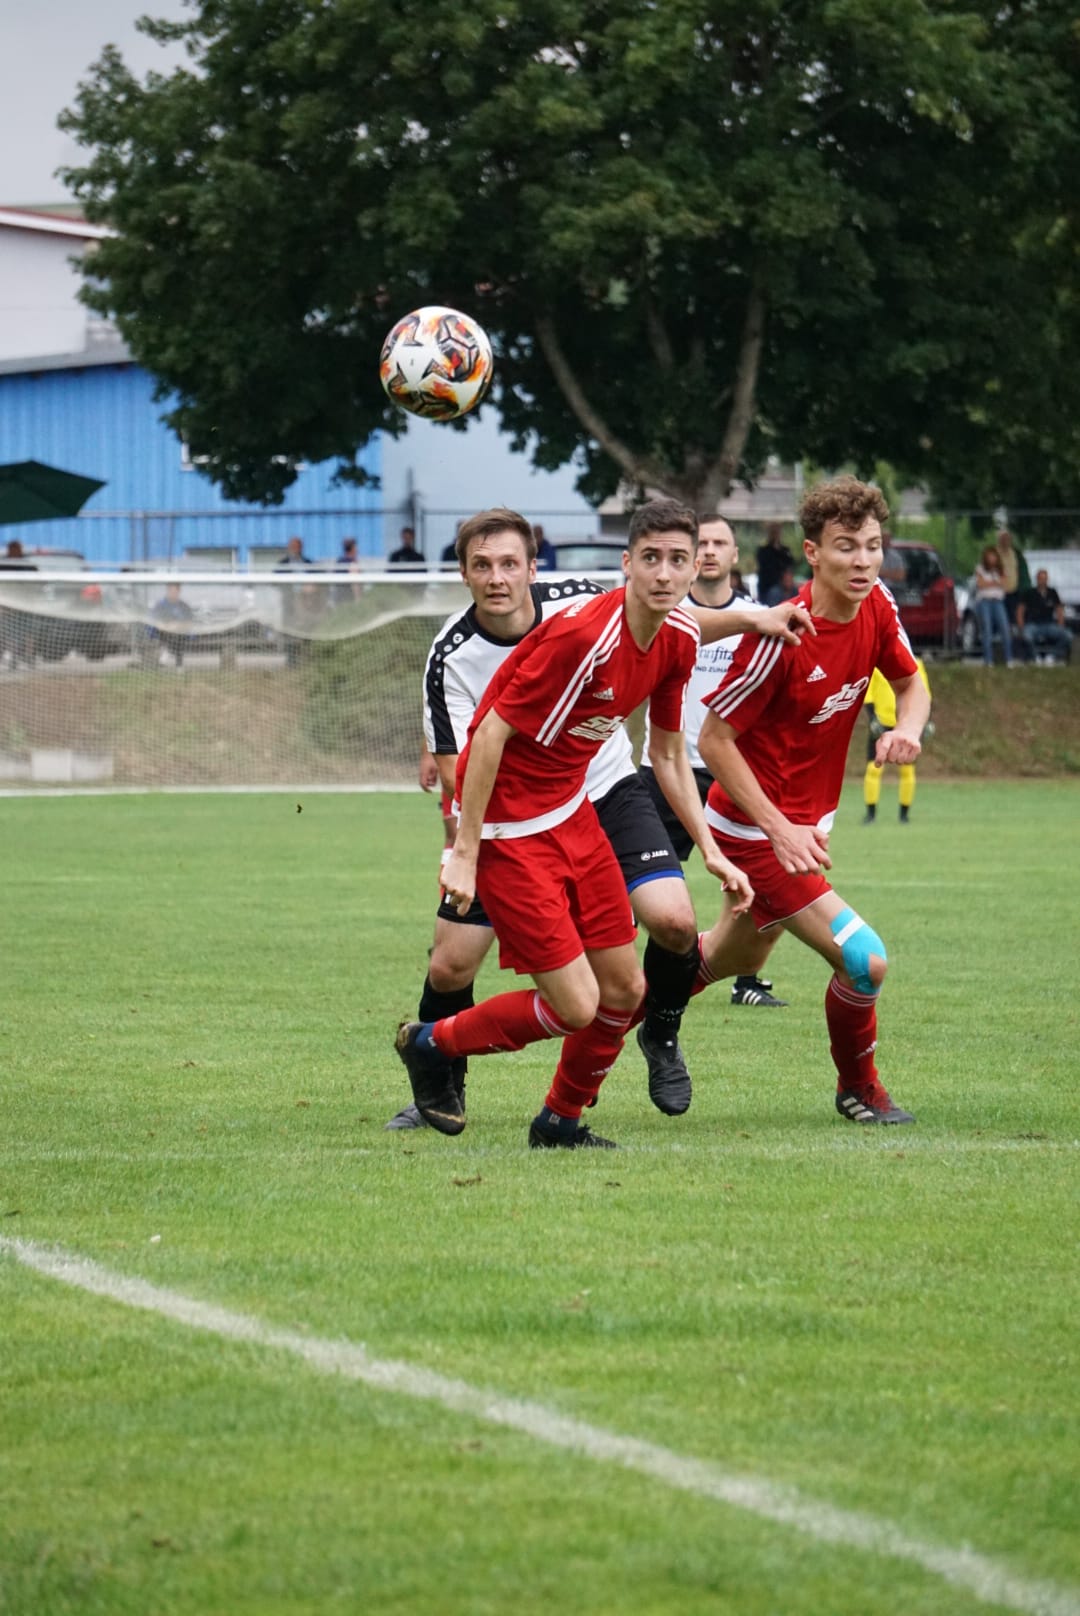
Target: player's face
[716, 552]
[845, 562]
[659, 570]
[498, 574]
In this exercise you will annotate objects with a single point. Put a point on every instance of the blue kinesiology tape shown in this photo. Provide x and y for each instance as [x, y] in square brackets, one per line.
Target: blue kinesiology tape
[857, 941]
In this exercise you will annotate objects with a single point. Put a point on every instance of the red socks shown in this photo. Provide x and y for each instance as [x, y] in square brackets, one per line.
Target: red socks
[587, 1057]
[507, 1021]
[852, 1022]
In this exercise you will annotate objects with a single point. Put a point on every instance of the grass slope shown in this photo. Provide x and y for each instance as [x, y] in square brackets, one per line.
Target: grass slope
[199, 999]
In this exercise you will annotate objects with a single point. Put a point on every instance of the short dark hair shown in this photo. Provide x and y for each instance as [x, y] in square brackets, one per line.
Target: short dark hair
[662, 516]
[844, 499]
[486, 523]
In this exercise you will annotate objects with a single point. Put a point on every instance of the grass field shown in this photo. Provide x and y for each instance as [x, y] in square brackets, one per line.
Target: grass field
[857, 1351]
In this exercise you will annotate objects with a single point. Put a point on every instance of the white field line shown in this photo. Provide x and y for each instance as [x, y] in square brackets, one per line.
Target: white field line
[963, 1568]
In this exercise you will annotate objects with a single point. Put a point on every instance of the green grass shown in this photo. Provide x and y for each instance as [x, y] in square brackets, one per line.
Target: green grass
[200, 995]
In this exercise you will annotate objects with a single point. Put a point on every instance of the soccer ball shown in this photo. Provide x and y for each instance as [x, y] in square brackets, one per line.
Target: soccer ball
[436, 363]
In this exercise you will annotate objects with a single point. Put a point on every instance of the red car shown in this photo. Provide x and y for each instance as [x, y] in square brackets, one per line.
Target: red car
[924, 592]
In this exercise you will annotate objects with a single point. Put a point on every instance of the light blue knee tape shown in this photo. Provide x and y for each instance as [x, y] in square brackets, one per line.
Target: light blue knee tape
[857, 941]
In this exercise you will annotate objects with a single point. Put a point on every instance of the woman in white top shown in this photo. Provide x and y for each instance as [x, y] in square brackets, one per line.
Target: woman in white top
[990, 605]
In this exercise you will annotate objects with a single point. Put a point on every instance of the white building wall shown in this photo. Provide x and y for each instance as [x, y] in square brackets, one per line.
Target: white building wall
[40, 312]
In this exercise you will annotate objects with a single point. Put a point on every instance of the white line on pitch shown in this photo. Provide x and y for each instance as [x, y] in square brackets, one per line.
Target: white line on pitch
[962, 1568]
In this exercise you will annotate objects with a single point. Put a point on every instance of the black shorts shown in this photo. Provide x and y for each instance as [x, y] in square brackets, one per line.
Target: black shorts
[677, 833]
[638, 839]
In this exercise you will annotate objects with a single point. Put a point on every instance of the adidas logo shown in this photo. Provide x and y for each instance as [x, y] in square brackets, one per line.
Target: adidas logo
[818, 673]
[605, 695]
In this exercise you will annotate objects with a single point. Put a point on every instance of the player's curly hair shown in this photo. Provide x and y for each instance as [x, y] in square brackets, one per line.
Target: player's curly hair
[844, 499]
[661, 516]
[486, 523]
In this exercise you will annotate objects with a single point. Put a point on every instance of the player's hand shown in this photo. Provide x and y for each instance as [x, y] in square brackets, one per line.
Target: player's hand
[897, 746]
[459, 881]
[429, 772]
[732, 879]
[801, 849]
[788, 622]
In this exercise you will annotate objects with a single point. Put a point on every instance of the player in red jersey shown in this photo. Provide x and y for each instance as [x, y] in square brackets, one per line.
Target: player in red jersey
[528, 838]
[776, 740]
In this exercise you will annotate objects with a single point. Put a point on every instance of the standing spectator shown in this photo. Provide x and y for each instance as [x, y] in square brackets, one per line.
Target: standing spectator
[546, 559]
[1040, 617]
[1013, 571]
[294, 609]
[990, 605]
[449, 560]
[772, 559]
[17, 629]
[407, 558]
[784, 588]
[348, 561]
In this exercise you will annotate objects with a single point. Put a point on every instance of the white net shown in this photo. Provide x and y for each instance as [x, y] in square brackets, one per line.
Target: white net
[169, 679]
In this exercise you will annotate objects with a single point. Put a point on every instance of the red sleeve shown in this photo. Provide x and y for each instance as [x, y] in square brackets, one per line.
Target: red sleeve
[895, 657]
[756, 674]
[667, 704]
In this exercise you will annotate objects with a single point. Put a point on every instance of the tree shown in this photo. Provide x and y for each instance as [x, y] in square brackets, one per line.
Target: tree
[698, 231]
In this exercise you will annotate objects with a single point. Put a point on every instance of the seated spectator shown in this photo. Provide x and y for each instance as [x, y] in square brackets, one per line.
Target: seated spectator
[407, 558]
[165, 632]
[1040, 617]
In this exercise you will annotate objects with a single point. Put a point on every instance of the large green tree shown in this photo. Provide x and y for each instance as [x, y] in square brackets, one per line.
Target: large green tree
[698, 230]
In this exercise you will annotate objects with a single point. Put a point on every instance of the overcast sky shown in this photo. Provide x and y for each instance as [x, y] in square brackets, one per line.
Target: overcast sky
[48, 46]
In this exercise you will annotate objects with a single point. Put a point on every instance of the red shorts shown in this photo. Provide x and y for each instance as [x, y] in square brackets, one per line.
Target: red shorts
[777, 895]
[552, 895]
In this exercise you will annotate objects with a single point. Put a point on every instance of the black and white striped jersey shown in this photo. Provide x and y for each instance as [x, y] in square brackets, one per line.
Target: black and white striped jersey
[462, 660]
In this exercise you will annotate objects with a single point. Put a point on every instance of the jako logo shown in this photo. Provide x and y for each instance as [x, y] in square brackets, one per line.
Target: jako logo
[597, 728]
[840, 699]
[657, 852]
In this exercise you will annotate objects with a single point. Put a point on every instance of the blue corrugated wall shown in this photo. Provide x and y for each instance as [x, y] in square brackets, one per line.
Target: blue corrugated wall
[103, 422]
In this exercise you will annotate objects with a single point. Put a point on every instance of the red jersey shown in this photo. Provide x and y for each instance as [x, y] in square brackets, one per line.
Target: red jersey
[794, 708]
[565, 689]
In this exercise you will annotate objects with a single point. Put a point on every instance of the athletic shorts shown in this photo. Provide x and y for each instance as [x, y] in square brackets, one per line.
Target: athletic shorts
[641, 844]
[551, 895]
[777, 895]
[677, 833]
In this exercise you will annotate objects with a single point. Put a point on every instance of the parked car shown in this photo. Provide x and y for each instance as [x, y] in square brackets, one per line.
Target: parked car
[924, 594]
[1063, 568]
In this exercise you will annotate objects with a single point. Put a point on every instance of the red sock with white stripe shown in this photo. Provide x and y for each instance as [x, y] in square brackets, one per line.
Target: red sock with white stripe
[852, 1022]
[507, 1021]
[587, 1057]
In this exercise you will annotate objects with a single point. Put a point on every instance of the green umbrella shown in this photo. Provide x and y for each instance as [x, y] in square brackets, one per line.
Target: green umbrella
[31, 492]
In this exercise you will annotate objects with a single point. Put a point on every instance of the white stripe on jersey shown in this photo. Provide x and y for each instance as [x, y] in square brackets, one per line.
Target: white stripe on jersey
[681, 619]
[735, 691]
[601, 651]
[900, 629]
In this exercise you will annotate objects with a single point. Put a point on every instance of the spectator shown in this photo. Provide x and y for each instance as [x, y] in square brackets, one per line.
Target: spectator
[773, 558]
[347, 561]
[168, 613]
[407, 558]
[18, 639]
[990, 605]
[297, 602]
[448, 558]
[546, 559]
[1040, 617]
[783, 589]
[1013, 570]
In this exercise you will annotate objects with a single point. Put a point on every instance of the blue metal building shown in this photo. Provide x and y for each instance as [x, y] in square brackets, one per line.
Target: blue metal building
[97, 416]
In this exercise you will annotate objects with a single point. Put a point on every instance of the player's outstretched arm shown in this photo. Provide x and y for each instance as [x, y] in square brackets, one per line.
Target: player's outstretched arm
[485, 754]
[788, 622]
[902, 743]
[801, 849]
[667, 754]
